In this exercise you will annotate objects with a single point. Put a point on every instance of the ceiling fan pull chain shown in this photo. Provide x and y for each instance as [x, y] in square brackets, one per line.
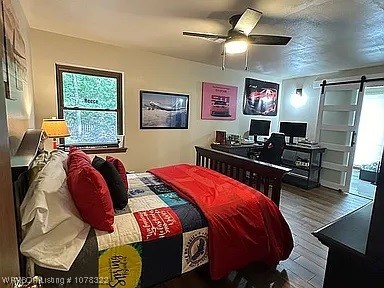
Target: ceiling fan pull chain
[223, 60]
[246, 60]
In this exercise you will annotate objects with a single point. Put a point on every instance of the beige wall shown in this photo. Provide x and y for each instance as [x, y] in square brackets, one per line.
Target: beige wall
[142, 70]
[20, 111]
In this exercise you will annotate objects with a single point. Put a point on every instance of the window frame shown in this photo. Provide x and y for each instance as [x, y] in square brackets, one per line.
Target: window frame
[92, 72]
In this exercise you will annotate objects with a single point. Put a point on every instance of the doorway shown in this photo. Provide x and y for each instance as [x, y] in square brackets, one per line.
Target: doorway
[369, 143]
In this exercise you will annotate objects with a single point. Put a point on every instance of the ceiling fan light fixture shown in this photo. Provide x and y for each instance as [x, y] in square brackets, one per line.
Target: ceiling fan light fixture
[236, 46]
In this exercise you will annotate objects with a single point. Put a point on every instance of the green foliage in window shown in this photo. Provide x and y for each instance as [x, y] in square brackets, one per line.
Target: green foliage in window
[91, 127]
[87, 91]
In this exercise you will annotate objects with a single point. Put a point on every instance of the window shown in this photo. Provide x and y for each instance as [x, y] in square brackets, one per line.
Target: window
[90, 100]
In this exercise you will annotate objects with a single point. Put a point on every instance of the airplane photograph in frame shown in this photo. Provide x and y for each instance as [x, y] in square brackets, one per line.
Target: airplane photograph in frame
[163, 110]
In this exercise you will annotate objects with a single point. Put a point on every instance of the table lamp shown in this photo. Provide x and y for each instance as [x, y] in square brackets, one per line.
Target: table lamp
[55, 128]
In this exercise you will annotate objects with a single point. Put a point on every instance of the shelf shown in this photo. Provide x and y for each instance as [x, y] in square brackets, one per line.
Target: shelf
[300, 181]
[303, 176]
[291, 164]
[305, 149]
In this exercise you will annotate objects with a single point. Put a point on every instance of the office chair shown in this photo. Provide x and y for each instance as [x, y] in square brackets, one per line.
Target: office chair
[273, 149]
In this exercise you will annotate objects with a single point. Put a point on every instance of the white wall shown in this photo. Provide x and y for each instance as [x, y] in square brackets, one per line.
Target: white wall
[142, 70]
[308, 112]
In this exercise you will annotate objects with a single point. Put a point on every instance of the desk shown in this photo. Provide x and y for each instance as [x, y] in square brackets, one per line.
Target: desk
[306, 177]
[348, 264]
[240, 150]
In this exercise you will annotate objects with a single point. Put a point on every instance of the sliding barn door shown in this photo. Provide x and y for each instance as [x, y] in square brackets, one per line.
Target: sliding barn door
[338, 122]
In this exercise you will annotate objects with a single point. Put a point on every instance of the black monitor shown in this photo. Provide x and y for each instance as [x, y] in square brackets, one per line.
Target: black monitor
[259, 128]
[293, 129]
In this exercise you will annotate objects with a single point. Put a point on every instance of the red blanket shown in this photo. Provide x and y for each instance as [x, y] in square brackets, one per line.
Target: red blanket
[244, 225]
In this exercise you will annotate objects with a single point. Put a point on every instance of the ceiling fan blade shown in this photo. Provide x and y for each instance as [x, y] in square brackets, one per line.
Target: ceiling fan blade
[268, 39]
[212, 37]
[248, 21]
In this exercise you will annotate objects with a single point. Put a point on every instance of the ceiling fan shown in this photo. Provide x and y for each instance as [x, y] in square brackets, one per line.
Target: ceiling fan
[238, 37]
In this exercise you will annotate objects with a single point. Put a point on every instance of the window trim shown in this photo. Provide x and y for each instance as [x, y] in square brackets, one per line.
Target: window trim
[92, 72]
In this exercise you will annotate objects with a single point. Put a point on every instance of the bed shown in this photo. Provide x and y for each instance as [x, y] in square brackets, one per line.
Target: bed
[180, 241]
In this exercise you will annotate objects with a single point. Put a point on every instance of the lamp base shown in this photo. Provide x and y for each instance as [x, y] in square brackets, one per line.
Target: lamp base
[54, 143]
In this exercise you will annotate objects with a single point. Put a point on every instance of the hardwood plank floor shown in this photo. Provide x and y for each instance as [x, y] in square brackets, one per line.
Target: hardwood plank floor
[305, 211]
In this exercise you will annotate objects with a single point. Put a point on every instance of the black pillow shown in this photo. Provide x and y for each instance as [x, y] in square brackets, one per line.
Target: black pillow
[116, 187]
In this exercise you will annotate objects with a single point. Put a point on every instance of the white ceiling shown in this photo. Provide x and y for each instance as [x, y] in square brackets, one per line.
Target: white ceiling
[328, 35]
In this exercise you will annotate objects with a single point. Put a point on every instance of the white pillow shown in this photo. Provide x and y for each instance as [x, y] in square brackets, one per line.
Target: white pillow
[54, 231]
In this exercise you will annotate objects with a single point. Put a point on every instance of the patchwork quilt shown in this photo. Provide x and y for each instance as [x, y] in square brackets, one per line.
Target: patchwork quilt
[158, 236]
[244, 225]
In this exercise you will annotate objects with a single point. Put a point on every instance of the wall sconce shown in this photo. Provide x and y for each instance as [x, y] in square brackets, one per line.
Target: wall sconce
[299, 99]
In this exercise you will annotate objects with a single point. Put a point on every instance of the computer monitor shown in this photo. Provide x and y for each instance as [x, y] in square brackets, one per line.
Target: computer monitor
[259, 128]
[293, 129]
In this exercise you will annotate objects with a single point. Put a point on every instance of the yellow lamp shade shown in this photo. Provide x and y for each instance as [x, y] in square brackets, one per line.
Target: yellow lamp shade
[55, 128]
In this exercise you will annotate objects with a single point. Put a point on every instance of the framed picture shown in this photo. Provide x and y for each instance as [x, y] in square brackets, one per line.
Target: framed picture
[4, 64]
[218, 102]
[260, 97]
[162, 110]
[14, 53]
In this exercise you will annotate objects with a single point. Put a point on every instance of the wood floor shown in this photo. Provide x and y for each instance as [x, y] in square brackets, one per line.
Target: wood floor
[305, 211]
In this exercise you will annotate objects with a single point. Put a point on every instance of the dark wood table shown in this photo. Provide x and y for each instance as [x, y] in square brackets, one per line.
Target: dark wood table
[348, 264]
[306, 177]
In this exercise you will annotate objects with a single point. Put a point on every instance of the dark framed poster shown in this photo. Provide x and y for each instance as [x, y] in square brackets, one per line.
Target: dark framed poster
[162, 110]
[260, 97]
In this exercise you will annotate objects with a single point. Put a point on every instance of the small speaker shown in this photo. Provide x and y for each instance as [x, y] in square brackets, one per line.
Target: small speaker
[220, 137]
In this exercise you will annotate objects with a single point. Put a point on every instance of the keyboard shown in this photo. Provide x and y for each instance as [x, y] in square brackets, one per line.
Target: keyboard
[307, 143]
[304, 144]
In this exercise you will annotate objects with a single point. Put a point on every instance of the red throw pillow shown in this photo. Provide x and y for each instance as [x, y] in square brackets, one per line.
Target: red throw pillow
[120, 168]
[89, 191]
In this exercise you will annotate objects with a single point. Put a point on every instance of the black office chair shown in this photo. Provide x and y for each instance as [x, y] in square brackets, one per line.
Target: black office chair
[273, 149]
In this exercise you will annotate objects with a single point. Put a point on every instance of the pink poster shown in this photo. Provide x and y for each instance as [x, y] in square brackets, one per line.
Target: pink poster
[219, 102]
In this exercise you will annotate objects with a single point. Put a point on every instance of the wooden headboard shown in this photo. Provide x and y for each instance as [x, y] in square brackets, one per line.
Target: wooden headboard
[20, 163]
[262, 176]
